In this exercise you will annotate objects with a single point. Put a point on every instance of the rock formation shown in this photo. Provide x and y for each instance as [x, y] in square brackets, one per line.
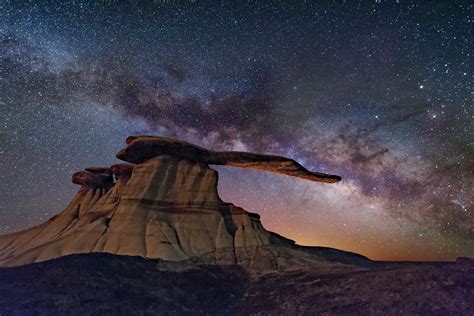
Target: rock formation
[141, 148]
[164, 205]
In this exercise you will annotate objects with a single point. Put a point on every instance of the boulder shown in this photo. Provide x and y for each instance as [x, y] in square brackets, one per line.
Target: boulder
[122, 171]
[92, 180]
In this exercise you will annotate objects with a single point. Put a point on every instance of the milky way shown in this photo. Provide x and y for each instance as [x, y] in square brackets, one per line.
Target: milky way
[376, 92]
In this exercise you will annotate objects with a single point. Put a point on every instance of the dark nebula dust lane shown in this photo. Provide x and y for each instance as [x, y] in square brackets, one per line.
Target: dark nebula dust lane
[378, 93]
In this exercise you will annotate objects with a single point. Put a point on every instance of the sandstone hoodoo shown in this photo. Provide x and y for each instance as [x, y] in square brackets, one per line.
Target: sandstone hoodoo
[163, 204]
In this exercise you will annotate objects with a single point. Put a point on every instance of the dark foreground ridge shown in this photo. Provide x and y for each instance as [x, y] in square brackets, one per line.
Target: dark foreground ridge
[98, 284]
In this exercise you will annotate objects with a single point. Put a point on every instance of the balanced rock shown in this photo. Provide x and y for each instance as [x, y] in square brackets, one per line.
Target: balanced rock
[165, 205]
[141, 148]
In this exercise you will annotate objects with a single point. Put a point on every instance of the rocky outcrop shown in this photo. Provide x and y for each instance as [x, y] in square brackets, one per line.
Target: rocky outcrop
[93, 180]
[465, 261]
[122, 171]
[164, 206]
[141, 148]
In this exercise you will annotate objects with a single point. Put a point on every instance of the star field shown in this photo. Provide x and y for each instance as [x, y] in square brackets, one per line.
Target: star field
[379, 93]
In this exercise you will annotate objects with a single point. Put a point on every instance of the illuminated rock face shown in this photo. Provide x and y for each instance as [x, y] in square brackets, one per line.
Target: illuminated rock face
[170, 210]
[164, 207]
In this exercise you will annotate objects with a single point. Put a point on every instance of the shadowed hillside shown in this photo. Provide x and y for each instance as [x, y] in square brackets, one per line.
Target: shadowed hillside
[98, 284]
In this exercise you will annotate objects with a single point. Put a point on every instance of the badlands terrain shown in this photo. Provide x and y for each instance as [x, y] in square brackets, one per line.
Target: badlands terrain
[152, 235]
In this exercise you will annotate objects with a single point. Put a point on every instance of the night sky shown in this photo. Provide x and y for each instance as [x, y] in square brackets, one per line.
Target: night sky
[378, 93]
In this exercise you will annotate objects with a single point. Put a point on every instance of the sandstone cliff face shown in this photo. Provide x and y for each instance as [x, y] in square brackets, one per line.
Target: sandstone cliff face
[165, 207]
